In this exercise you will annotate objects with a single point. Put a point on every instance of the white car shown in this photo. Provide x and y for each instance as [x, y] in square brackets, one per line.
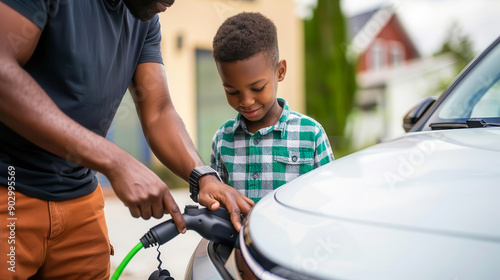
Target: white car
[422, 206]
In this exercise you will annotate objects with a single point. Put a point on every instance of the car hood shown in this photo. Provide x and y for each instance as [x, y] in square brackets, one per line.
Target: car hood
[446, 181]
[391, 210]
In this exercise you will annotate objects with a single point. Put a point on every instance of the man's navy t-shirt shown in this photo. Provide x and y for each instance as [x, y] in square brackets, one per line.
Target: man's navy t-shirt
[85, 60]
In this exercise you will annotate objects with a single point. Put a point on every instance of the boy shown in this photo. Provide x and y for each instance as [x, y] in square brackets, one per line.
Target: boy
[266, 144]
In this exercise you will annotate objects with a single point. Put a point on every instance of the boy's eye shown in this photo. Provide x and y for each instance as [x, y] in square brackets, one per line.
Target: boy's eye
[231, 92]
[259, 89]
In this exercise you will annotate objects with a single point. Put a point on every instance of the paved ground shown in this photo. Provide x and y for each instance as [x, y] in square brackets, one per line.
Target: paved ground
[125, 232]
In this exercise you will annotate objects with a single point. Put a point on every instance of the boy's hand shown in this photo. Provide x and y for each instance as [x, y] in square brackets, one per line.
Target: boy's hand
[213, 192]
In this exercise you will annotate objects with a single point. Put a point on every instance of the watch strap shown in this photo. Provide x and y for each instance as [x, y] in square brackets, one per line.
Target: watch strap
[195, 176]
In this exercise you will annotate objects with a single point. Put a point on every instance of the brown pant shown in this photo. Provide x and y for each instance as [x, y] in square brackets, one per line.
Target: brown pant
[53, 240]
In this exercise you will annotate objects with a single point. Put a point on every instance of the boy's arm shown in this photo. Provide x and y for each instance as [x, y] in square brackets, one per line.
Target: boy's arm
[170, 142]
[323, 152]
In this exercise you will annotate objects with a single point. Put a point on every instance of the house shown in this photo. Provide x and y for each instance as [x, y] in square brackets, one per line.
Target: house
[380, 40]
[188, 28]
[392, 76]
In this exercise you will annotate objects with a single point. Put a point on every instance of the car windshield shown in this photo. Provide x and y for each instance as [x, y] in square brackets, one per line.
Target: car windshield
[476, 96]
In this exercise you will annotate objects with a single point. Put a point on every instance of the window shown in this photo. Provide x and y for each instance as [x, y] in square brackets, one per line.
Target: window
[377, 56]
[489, 104]
[212, 107]
[478, 94]
[396, 54]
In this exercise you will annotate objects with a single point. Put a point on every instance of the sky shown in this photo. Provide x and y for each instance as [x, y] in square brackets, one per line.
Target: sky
[427, 21]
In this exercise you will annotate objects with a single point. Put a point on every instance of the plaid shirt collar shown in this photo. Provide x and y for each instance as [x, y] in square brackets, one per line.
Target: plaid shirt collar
[279, 126]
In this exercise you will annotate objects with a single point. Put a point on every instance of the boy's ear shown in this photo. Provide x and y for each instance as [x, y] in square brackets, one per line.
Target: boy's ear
[281, 71]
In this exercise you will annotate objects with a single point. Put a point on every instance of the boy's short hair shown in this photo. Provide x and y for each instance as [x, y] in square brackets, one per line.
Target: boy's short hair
[245, 35]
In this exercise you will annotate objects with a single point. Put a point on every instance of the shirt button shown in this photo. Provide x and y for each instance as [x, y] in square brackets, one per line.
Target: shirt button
[294, 158]
[256, 141]
[256, 175]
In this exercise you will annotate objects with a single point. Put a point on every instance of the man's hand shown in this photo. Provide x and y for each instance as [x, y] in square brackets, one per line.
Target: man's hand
[143, 192]
[213, 193]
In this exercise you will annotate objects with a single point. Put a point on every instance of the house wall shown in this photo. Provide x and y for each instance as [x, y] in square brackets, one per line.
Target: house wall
[412, 84]
[394, 92]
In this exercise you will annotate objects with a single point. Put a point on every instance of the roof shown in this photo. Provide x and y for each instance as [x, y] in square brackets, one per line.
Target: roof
[365, 27]
[356, 23]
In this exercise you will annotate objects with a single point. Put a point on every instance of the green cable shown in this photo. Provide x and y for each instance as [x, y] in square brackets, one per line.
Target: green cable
[126, 260]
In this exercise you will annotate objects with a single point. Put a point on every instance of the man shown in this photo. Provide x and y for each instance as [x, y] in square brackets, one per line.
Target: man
[64, 67]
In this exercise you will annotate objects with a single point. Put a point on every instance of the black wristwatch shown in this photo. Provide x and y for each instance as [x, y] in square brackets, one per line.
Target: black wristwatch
[195, 176]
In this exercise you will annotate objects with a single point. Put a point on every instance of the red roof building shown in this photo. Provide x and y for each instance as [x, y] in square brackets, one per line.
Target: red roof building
[380, 40]
[391, 75]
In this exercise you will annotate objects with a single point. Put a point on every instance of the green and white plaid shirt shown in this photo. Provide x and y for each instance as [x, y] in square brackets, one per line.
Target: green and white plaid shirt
[257, 163]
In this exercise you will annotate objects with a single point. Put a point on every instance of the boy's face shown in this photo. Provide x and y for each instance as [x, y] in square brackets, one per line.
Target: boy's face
[251, 86]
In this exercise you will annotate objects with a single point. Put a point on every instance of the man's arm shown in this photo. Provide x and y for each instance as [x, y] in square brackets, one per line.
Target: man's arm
[169, 140]
[27, 109]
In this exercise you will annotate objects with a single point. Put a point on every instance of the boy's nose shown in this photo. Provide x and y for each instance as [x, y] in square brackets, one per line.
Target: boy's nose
[246, 100]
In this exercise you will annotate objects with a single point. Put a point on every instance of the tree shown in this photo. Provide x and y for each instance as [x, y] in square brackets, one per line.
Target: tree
[459, 45]
[330, 76]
